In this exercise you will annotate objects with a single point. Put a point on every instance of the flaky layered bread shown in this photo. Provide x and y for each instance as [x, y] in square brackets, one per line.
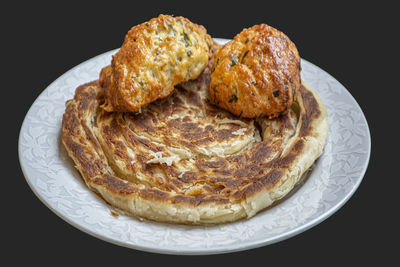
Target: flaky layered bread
[184, 160]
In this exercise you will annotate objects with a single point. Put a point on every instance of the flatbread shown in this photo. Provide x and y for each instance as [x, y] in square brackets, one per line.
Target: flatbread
[183, 160]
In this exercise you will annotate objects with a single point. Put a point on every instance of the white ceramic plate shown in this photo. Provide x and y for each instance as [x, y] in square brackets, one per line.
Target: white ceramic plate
[52, 177]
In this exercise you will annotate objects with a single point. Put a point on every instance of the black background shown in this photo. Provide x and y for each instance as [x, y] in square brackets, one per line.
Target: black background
[355, 44]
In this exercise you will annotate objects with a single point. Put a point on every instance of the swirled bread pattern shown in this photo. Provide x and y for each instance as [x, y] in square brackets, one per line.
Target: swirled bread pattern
[184, 160]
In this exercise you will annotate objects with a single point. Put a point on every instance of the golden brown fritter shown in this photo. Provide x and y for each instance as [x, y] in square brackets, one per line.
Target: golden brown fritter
[155, 56]
[256, 74]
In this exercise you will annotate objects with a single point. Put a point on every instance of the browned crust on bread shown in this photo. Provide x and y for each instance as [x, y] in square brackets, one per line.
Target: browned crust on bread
[312, 111]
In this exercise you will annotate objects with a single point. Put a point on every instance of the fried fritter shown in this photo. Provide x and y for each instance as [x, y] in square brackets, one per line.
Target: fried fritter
[155, 56]
[256, 74]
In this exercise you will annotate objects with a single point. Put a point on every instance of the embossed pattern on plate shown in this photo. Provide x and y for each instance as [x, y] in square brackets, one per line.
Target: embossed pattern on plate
[335, 177]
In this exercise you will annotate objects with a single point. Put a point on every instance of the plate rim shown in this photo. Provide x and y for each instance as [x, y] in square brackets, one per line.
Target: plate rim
[207, 250]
